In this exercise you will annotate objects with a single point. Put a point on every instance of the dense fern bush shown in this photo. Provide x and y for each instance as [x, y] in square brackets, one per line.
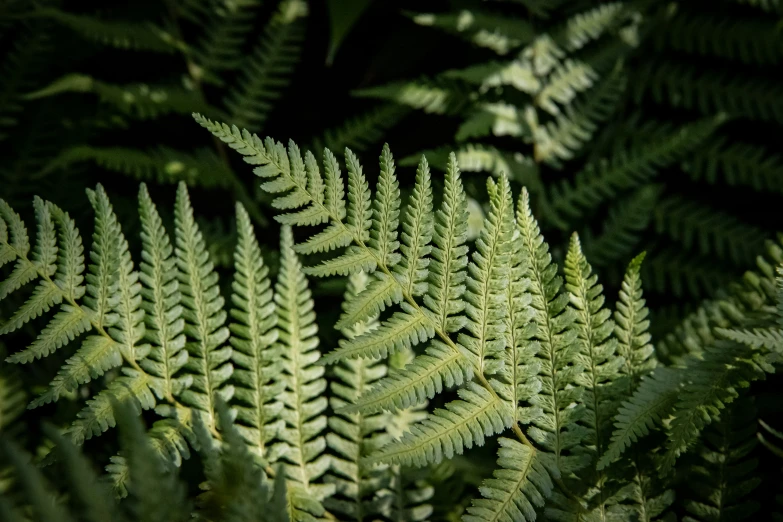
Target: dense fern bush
[588, 419]
[573, 99]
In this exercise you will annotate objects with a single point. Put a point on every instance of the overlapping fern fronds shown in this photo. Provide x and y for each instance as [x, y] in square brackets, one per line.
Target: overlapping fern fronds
[522, 350]
[553, 88]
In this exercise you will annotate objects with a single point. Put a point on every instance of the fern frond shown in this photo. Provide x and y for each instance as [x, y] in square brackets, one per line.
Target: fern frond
[304, 383]
[134, 389]
[124, 35]
[164, 165]
[208, 358]
[482, 28]
[589, 25]
[519, 378]
[117, 312]
[447, 268]
[622, 229]
[709, 91]
[361, 131]
[710, 231]
[449, 431]
[597, 347]
[650, 403]
[517, 489]
[724, 475]
[140, 101]
[566, 81]
[425, 376]
[631, 325]
[488, 277]
[736, 164]
[224, 30]
[561, 139]
[558, 349]
[497, 119]
[355, 435]
[45, 295]
[256, 356]
[713, 382]
[743, 39]
[162, 301]
[599, 181]
[267, 73]
[436, 96]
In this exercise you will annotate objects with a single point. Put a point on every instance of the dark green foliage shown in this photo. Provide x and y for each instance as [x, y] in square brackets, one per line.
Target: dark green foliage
[412, 341]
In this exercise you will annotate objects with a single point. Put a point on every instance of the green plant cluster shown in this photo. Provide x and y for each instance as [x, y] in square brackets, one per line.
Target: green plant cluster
[590, 331]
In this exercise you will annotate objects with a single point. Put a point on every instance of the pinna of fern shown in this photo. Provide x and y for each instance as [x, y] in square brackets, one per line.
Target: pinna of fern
[523, 351]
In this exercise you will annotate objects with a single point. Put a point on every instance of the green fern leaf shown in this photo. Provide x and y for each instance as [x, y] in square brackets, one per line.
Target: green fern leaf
[417, 230]
[724, 474]
[66, 325]
[487, 279]
[255, 356]
[44, 297]
[133, 389]
[224, 31]
[424, 377]
[359, 132]
[590, 25]
[266, 74]
[303, 408]
[161, 301]
[623, 227]
[123, 35]
[447, 272]
[558, 348]
[569, 132]
[379, 294]
[69, 278]
[520, 486]
[631, 325]
[96, 356]
[354, 435]
[712, 382]
[568, 201]
[208, 358]
[449, 431]
[437, 96]
[403, 330]
[651, 402]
